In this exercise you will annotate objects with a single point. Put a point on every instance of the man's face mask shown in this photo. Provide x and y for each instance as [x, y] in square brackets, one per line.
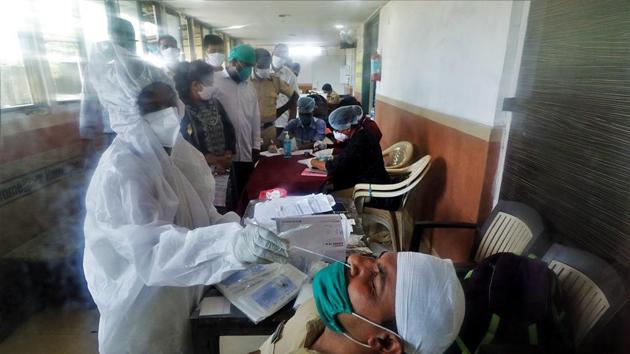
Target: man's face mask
[263, 73]
[277, 61]
[240, 73]
[330, 291]
[165, 125]
[170, 55]
[215, 59]
[306, 120]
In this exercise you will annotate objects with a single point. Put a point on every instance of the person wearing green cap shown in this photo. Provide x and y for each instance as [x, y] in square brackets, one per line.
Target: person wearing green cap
[236, 93]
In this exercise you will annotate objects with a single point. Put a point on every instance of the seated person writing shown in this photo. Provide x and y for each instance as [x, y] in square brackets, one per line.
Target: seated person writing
[361, 161]
[398, 303]
[306, 129]
[365, 121]
[205, 124]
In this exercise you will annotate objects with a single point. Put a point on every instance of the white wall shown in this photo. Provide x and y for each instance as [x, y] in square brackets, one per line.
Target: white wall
[446, 56]
[322, 69]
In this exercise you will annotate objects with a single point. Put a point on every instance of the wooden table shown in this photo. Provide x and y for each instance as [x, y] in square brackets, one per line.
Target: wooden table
[278, 172]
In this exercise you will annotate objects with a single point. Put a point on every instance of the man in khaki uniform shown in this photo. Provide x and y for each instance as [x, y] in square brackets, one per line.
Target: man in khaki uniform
[268, 88]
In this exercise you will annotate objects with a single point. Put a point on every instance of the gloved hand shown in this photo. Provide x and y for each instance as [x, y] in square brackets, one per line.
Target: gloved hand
[257, 245]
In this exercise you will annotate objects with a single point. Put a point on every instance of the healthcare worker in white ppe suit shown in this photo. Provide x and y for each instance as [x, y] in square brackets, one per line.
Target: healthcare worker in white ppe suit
[152, 237]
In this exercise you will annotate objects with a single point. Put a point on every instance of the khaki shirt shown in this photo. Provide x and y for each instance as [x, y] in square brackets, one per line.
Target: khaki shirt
[332, 97]
[299, 333]
[268, 91]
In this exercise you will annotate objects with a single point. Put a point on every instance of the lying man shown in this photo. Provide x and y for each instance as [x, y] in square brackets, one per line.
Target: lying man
[398, 303]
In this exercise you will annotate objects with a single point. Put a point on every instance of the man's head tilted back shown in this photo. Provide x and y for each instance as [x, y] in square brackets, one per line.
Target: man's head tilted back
[400, 302]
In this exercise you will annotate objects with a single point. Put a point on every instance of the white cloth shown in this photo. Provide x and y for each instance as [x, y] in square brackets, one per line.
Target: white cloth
[241, 105]
[430, 303]
[289, 77]
[149, 246]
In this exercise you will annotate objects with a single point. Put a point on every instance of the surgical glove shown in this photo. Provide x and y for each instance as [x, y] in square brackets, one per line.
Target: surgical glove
[257, 245]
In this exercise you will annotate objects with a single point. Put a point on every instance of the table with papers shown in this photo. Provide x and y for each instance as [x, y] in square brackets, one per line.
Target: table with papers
[216, 316]
[278, 172]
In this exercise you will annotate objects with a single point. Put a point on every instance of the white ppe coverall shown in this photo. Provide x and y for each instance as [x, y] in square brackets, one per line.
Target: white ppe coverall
[152, 237]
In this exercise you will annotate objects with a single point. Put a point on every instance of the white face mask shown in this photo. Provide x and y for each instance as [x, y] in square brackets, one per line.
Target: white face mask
[215, 59]
[277, 61]
[170, 55]
[206, 92]
[165, 125]
[339, 136]
[263, 73]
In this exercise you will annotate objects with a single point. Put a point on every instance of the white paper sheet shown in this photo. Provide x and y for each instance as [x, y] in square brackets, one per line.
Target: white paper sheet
[306, 162]
[270, 154]
[327, 235]
[323, 153]
[215, 305]
[266, 212]
[302, 152]
[220, 189]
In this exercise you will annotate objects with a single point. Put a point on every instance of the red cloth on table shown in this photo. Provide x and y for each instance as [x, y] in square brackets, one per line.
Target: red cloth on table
[278, 172]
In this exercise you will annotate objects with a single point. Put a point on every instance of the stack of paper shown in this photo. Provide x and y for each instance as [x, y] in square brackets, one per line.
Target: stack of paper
[316, 238]
[266, 212]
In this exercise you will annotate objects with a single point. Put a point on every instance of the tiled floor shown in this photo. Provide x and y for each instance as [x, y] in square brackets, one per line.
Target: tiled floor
[73, 331]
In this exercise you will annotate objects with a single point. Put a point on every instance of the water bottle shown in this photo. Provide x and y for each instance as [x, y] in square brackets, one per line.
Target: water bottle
[286, 144]
[372, 114]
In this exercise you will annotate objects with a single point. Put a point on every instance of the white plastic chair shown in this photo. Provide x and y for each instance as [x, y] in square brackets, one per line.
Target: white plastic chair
[395, 222]
[398, 155]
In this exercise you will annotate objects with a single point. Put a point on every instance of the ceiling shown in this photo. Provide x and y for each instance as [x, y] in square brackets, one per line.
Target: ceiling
[304, 23]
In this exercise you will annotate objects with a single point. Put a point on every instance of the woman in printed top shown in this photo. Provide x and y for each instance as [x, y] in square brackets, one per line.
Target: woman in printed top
[206, 124]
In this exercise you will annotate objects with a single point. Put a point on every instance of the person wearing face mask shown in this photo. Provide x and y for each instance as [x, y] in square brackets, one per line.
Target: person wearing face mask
[403, 302]
[361, 161]
[366, 121]
[306, 129]
[153, 240]
[169, 53]
[295, 67]
[269, 88]
[236, 93]
[205, 125]
[214, 49]
[279, 61]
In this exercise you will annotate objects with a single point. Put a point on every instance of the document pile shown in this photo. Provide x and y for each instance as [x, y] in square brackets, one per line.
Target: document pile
[261, 290]
[265, 213]
[316, 238]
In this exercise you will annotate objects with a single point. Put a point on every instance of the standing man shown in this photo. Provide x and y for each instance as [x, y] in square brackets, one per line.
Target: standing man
[278, 64]
[295, 67]
[269, 87]
[214, 48]
[169, 54]
[237, 94]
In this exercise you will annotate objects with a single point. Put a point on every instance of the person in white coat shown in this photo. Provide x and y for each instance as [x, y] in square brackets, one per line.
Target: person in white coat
[153, 239]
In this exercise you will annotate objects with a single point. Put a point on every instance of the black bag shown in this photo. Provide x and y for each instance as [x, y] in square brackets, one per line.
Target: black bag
[513, 305]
